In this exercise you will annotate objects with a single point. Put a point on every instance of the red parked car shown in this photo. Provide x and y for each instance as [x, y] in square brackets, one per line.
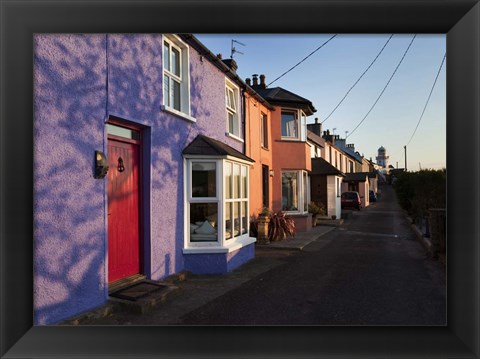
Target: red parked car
[351, 199]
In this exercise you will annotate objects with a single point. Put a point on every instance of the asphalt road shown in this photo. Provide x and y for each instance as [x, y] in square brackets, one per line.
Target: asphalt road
[370, 271]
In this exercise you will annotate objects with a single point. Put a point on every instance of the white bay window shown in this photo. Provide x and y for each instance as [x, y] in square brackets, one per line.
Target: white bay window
[217, 200]
[294, 125]
[295, 191]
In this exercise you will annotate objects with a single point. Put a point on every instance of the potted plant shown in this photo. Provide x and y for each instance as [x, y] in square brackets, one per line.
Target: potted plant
[281, 226]
[316, 210]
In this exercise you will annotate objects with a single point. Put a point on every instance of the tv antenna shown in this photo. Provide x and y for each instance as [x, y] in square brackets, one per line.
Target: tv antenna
[234, 50]
[334, 130]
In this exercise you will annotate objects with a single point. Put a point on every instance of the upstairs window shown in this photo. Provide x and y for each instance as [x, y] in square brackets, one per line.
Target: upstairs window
[294, 124]
[232, 109]
[175, 75]
[264, 129]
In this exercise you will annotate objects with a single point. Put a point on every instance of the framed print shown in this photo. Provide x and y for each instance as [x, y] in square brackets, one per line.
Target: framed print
[21, 20]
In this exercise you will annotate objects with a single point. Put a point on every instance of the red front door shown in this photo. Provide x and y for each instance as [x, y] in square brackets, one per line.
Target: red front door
[123, 208]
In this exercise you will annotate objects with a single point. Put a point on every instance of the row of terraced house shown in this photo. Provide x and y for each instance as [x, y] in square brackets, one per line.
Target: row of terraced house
[151, 155]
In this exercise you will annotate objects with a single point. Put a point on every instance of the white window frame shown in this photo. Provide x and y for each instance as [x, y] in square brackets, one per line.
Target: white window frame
[303, 193]
[222, 245]
[264, 131]
[191, 199]
[301, 120]
[241, 199]
[184, 111]
[234, 111]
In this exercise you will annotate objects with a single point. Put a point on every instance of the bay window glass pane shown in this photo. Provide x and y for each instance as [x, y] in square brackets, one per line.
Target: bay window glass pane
[236, 181]
[236, 216]
[176, 62]
[204, 179]
[166, 56]
[303, 128]
[289, 191]
[203, 222]
[228, 180]
[244, 193]
[244, 218]
[166, 87]
[176, 95]
[228, 220]
[289, 124]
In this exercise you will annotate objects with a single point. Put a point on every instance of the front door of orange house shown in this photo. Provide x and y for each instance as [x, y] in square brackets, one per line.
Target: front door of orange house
[123, 202]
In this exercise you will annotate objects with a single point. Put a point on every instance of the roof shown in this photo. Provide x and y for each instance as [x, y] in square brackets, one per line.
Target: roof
[206, 146]
[322, 167]
[222, 66]
[372, 174]
[315, 138]
[280, 96]
[356, 177]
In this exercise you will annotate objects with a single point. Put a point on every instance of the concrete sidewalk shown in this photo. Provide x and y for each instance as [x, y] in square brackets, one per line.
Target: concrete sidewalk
[193, 291]
[302, 239]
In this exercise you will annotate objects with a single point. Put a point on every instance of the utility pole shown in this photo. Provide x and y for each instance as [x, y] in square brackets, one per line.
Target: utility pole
[405, 147]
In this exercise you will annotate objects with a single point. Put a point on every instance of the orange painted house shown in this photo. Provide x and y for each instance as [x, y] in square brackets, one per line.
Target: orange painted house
[290, 152]
[258, 146]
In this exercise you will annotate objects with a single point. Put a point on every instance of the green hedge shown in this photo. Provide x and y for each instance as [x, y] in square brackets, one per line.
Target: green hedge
[417, 192]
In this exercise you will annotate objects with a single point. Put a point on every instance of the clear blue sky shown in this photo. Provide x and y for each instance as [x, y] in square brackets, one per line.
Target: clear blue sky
[327, 75]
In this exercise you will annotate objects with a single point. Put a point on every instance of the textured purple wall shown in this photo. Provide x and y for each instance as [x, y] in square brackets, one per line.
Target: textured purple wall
[73, 96]
[69, 220]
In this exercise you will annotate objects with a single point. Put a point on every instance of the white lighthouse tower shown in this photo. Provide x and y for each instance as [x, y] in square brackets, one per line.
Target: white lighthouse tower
[382, 158]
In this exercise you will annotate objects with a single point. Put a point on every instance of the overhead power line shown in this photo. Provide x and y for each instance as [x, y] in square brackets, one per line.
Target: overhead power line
[381, 93]
[314, 51]
[428, 99]
[356, 82]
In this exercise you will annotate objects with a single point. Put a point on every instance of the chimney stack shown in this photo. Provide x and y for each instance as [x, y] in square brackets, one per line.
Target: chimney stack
[262, 81]
[255, 79]
[316, 127]
[328, 137]
[231, 63]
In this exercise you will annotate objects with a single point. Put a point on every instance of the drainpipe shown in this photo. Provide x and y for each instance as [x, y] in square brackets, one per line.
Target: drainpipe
[244, 122]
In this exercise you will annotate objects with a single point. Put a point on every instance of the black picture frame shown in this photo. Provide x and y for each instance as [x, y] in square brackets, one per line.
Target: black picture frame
[459, 19]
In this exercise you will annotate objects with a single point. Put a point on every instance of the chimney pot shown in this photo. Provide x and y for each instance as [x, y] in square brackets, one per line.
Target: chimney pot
[255, 79]
[248, 81]
[262, 81]
[316, 120]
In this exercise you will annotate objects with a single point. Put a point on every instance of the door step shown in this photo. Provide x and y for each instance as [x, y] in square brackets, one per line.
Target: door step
[141, 296]
[125, 282]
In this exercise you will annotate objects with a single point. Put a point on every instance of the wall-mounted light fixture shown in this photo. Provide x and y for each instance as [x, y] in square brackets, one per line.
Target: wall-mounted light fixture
[272, 173]
[101, 165]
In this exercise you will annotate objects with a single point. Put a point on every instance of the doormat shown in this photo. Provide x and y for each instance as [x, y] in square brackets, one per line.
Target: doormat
[137, 291]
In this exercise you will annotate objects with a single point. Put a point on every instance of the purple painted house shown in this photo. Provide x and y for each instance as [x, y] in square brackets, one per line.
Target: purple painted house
[166, 116]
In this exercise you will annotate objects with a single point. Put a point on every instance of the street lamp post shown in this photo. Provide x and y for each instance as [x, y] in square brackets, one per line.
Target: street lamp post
[405, 147]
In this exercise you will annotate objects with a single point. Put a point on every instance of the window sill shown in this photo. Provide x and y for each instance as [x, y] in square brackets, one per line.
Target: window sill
[229, 247]
[228, 134]
[295, 140]
[177, 113]
[298, 214]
